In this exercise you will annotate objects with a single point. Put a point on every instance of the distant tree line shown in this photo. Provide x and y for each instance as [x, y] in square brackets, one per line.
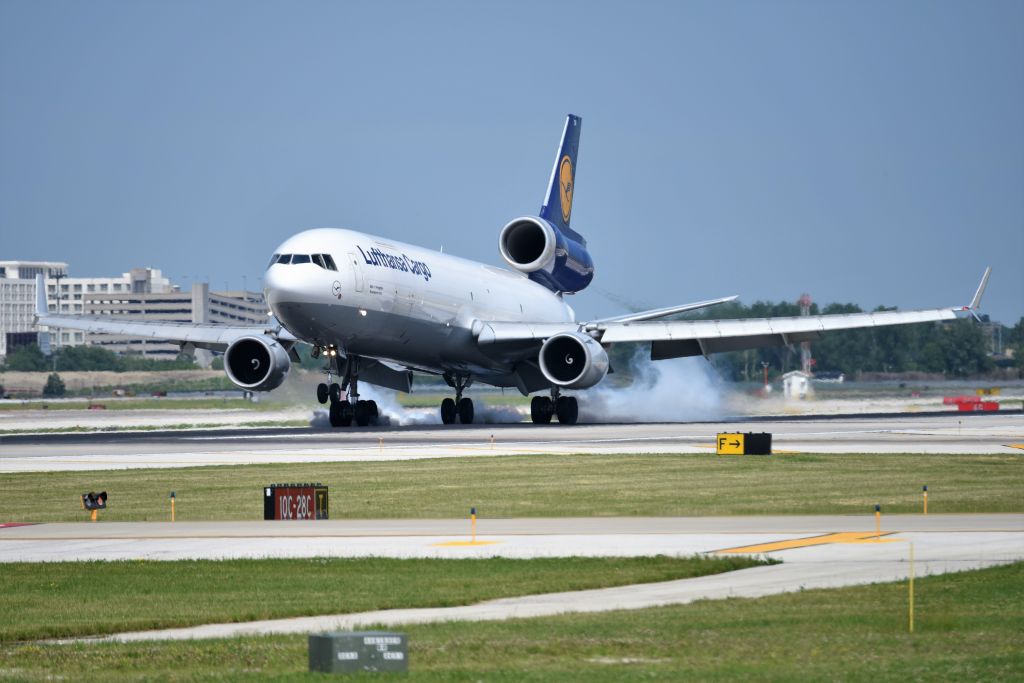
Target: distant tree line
[87, 358]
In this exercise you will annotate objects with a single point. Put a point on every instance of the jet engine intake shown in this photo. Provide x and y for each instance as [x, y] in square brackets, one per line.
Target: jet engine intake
[257, 363]
[573, 360]
[534, 246]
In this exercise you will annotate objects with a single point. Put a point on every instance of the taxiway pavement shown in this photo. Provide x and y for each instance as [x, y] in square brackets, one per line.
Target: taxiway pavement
[821, 552]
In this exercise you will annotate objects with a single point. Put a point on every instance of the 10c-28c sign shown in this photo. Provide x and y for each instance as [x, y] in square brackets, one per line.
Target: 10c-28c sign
[295, 501]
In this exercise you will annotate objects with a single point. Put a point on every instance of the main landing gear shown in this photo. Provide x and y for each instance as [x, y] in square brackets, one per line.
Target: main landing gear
[459, 407]
[344, 399]
[565, 408]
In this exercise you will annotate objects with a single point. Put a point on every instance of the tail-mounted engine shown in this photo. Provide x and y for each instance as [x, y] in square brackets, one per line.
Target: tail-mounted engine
[257, 363]
[534, 246]
[573, 360]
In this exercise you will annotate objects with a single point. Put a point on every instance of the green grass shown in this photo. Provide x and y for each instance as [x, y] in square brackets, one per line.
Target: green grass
[968, 629]
[544, 485]
[43, 600]
[158, 428]
[111, 403]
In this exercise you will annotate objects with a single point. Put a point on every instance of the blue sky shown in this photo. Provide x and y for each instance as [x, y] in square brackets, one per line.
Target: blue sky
[866, 152]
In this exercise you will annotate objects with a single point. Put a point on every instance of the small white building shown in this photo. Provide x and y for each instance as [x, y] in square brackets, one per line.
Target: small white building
[796, 385]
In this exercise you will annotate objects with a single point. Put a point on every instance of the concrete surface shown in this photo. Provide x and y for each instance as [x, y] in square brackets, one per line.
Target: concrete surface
[942, 543]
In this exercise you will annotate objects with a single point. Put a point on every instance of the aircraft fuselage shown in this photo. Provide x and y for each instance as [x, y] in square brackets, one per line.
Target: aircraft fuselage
[386, 299]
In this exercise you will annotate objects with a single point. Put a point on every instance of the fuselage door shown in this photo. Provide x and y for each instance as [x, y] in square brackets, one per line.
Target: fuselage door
[357, 272]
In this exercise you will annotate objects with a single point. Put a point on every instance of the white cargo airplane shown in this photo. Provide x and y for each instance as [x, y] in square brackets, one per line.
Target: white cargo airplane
[377, 309]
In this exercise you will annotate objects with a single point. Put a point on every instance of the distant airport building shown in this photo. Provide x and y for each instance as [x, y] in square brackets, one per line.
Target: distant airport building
[197, 306]
[18, 302]
[139, 294]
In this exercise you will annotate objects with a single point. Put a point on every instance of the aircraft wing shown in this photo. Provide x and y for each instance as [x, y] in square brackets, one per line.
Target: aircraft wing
[673, 339]
[202, 335]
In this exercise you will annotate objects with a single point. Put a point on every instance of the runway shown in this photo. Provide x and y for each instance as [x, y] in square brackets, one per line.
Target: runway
[968, 433]
[818, 559]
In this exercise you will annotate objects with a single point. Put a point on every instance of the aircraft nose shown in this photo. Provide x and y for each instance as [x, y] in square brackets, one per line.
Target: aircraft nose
[277, 286]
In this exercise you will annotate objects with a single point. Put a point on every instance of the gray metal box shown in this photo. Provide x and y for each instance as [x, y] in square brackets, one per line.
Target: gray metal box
[358, 651]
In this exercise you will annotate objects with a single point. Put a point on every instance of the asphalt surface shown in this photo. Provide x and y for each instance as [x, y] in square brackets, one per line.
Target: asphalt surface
[974, 433]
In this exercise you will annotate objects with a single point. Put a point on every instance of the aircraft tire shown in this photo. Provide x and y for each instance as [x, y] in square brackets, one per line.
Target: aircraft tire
[322, 393]
[334, 391]
[541, 410]
[340, 414]
[448, 411]
[568, 410]
[374, 411]
[466, 411]
[362, 413]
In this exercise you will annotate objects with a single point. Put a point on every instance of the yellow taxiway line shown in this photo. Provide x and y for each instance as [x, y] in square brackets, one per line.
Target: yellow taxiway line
[843, 537]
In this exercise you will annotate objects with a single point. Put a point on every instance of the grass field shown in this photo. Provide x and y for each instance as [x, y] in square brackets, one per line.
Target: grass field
[544, 485]
[45, 600]
[968, 628]
[210, 403]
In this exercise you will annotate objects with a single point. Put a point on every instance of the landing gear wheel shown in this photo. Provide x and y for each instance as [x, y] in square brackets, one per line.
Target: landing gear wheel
[541, 410]
[334, 391]
[322, 393]
[374, 413]
[466, 411]
[568, 410]
[362, 413]
[448, 411]
[341, 414]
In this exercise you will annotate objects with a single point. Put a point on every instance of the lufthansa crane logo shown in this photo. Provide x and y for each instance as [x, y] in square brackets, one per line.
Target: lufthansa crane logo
[565, 185]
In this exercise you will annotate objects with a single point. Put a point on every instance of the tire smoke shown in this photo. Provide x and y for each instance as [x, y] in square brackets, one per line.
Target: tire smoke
[675, 390]
[393, 413]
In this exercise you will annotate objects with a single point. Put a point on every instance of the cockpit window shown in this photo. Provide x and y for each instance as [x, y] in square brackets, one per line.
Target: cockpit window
[273, 260]
[323, 260]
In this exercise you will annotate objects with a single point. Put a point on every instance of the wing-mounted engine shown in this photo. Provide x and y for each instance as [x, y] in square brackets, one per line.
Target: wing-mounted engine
[548, 256]
[573, 360]
[257, 363]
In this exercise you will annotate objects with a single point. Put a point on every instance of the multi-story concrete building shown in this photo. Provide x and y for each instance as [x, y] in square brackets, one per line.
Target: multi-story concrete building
[18, 302]
[68, 294]
[198, 306]
[140, 294]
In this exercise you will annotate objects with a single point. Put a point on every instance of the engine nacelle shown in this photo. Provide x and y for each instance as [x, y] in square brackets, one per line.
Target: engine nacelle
[256, 363]
[573, 360]
[534, 246]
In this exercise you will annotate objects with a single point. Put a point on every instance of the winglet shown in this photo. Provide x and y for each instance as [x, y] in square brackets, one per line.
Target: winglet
[976, 301]
[41, 307]
[972, 308]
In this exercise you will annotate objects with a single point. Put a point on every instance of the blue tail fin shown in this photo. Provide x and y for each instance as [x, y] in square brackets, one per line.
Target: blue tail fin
[557, 208]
